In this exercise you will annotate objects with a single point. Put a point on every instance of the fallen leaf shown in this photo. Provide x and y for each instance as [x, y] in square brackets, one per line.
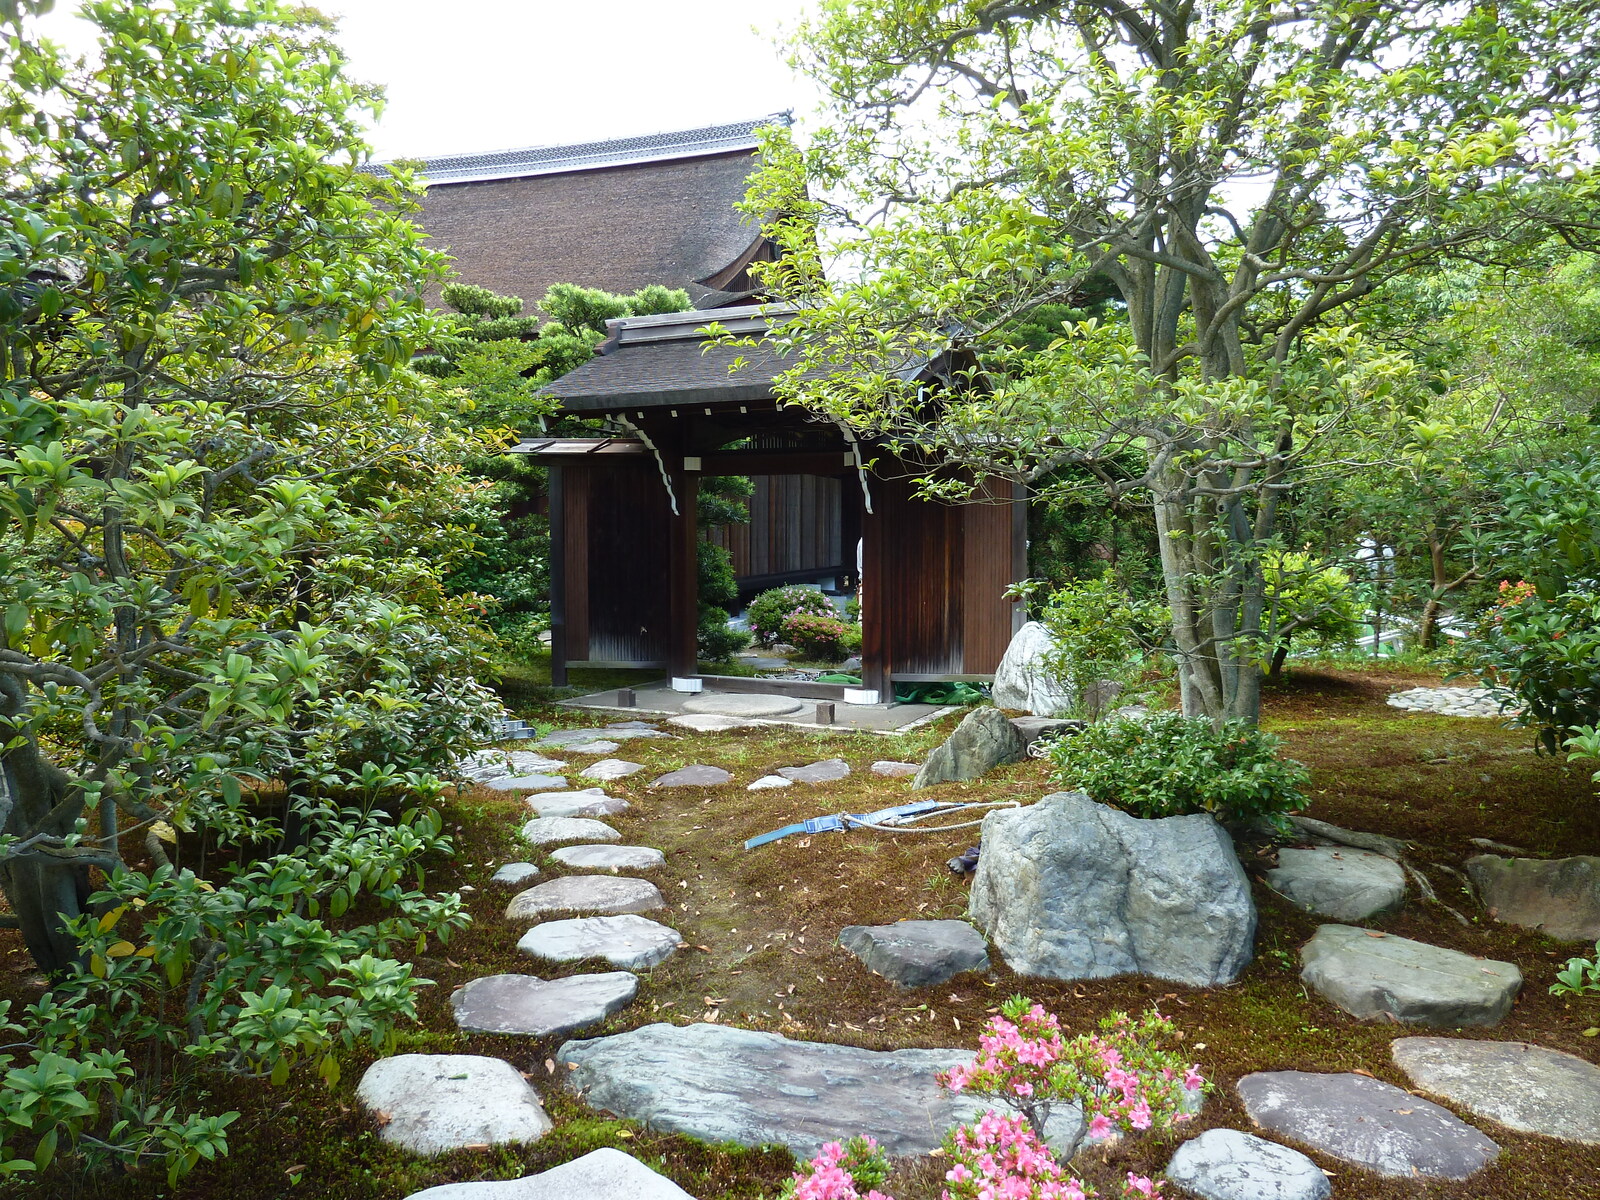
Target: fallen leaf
[1375, 933]
[1368, 1074]
[294, 1169]
[1592, 1031]
[550, 1066]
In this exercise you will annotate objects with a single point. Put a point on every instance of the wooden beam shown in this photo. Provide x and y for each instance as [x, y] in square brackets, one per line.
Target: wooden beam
[776, 462]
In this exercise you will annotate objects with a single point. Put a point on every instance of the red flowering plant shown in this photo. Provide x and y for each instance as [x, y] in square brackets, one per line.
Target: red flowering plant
[840, 1171]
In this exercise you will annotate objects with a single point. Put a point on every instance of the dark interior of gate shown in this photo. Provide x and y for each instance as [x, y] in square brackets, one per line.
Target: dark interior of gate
[622, 511]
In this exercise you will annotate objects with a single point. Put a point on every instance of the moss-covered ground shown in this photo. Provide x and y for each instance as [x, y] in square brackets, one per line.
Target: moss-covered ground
[761, 927]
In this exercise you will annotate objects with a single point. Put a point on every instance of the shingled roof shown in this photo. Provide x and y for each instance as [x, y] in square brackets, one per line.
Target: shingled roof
[617, 215]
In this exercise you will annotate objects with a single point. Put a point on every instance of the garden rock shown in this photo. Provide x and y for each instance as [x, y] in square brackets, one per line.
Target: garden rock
[1342, 883]
[590, 802]
[1377, 976]
[537, 1007]
[547, 831]
[611, 768]
[984, 740]
[740, 704]
[1224, 1164]
[525, 783]
[828, 771]
[600, 746]
[609, 858]
[1070, 889]
[724, 1084]
[600, 894]
[1023, 682]
[767, 782]
[603, 1174]
[514, 873]
[894, 770]
[1367, 1122]
[439, 1102]
[629, 942]
[917, 953]
[708, 722]
[1559, 897]
[1520, 1086]
[694, 775]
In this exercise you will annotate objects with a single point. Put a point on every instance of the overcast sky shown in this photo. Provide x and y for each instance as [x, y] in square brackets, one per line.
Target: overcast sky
[472, 75]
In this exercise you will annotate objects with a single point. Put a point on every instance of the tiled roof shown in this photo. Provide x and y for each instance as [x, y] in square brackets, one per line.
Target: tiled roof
[585, 156]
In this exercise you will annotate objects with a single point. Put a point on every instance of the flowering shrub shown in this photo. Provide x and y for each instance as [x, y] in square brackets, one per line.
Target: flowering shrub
[839, 1172]
[771, 608]
[1124, 1076]
[818, 638]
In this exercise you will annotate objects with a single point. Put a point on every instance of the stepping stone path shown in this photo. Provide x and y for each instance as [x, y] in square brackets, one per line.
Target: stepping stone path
[894, 770]
[829, 770]
[917, 953]
[547, 831]
[1377, 976]
[598, 747]
[515, 873]
[1342, 883]
[1559, 897]
[603, 895]
[482, 766]
[725, 1084]
[632, 943]
[609, 858]
[1523, 1087]
[526, 783]
[1451, 702]
[743, 705]
[590, 802]
[1367, 1122]
[708, 722]
[439, 1102]
[1224, 1164]
[526, 1004]
[562, 738]
[603, 1174]
[611, 768]
[694, 775]
[768, 782]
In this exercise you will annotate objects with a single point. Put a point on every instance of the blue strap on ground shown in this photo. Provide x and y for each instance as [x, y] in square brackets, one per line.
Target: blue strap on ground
[840, 821]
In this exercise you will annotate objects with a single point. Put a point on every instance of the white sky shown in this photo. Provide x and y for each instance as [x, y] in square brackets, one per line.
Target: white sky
[473, 75]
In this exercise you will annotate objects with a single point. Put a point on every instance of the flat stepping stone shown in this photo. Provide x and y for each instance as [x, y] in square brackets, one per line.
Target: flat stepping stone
[609, 858]
[515, 873]
[723, 1084]
[1224, 1164]
[547, 831]
[611, 768]
[767, 782]
[602, 895]
[1367, 1122]
[740, 704]
[484, 765]
[1342, 883]
[1382, 977]
[694, 775]
[708, 722]
[439, 1102]
[890, 769]
[603, 1174]
[526, 1004]
[1521, 1086]
[526, 783]
[630, 727]
[917, 953]
[828, 770]
[601, 746]
[1560, 897]
[561, 738]
[590, 802]
[629, 942]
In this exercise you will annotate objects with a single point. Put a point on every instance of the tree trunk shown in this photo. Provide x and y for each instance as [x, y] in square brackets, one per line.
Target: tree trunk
[1280, 652]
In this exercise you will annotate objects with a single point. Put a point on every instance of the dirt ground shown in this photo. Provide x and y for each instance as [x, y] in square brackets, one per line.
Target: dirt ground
[761, 926]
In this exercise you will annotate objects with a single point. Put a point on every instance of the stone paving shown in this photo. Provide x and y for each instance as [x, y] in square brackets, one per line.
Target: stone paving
[601, 895]
[1379, 977]
[534, 1007]
[1450, 702]
[611, 768]
[627, 941]
[590, 802]
[609, 858]
[547, 831]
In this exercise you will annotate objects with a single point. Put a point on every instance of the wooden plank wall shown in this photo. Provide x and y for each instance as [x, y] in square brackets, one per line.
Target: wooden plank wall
[795, 527]
[615, 553]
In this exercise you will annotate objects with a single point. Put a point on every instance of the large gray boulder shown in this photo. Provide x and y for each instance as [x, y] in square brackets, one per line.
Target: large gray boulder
[1022, 681]
[1070, 889]
[1224, 1164]
[1380, 977]
[722, 1084]
[917, 953]
[1338, 882]
[1518, 1085]
[430, 1103]
[1367, 1122]
[984, 740]
[603, 1174]
[1559, 897]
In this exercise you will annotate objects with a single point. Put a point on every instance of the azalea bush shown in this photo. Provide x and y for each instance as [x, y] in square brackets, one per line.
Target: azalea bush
[816, 637]
[1166, 765]
[769, 610]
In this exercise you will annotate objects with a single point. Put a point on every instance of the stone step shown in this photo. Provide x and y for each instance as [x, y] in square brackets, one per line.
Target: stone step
[596, 895]
[609, 858]
[1377, 976]
[1521, 1086]
[603, 1174]
[628, 941]
[589, 802]
[1343, 883]
[438, 1102]
[526, 1004]
[917, 953]
[548, 831]
[1224, 1164]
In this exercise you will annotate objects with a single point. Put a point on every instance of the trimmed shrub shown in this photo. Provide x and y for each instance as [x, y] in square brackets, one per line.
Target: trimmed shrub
[771, 609]
[816, 637]
[1168, 765]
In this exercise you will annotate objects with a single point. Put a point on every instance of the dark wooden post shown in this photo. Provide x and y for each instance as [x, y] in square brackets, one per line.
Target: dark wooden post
[684, 591]
[876, 638]
[558, 579]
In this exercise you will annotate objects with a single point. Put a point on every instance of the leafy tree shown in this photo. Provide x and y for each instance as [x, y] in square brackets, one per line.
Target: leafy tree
[719, 504]
[579, 309]
[1248, 174]
[222, 499]
[1308, 599]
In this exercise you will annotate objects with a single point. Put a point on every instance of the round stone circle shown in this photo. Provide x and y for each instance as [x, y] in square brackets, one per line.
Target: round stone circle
[740, 705]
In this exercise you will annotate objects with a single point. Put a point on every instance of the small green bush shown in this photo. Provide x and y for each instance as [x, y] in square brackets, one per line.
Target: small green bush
[771, 609]
[1168, 765]
[816, 637]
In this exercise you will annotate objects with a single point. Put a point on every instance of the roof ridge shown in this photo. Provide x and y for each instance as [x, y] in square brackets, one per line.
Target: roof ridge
[594, 155]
